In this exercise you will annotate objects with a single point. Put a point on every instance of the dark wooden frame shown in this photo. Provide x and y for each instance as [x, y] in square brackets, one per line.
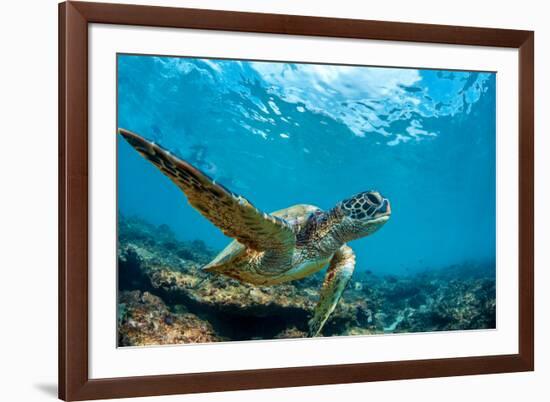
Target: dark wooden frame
[74, 17]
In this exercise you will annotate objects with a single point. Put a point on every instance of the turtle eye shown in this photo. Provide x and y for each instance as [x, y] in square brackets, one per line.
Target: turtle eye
[374, 199]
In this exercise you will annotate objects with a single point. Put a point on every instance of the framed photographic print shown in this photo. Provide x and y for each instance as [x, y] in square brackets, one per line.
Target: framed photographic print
[259, 200]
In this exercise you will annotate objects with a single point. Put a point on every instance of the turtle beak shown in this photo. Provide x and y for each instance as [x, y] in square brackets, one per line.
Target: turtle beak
[384, 209]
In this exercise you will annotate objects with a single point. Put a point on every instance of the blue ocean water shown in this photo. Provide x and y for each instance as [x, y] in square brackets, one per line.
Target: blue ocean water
[282, 134]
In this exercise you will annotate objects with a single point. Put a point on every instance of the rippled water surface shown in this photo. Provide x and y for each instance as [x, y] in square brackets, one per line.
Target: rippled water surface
[282, 134]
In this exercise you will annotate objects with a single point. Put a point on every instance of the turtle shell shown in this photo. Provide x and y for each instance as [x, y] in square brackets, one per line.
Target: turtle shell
[294, 215]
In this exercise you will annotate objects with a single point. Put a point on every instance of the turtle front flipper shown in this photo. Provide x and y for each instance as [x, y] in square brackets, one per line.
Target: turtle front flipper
[338, 275]
[233, 214]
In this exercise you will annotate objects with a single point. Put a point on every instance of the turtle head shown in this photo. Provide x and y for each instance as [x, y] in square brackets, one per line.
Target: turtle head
[363, 214]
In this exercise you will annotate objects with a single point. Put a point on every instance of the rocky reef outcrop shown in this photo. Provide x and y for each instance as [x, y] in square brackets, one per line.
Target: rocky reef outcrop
[165, 297]
[144, 319]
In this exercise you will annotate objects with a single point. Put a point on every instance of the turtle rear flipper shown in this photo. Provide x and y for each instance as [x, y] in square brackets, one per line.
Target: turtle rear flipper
[337, 277]
[233, 214]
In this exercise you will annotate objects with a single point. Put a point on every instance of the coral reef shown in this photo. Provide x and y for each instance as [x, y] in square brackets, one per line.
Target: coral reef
[144, 319]
[165, 298]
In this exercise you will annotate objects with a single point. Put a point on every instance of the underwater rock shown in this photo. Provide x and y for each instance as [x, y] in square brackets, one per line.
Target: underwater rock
[152, 240]
[144, 319]
[457, 304]
[167, 273]
[158, 267]
[460, 305]
[229, 295]
[291, 332]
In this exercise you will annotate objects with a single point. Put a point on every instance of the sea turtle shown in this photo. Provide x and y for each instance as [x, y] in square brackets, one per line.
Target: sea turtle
[285, 245]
